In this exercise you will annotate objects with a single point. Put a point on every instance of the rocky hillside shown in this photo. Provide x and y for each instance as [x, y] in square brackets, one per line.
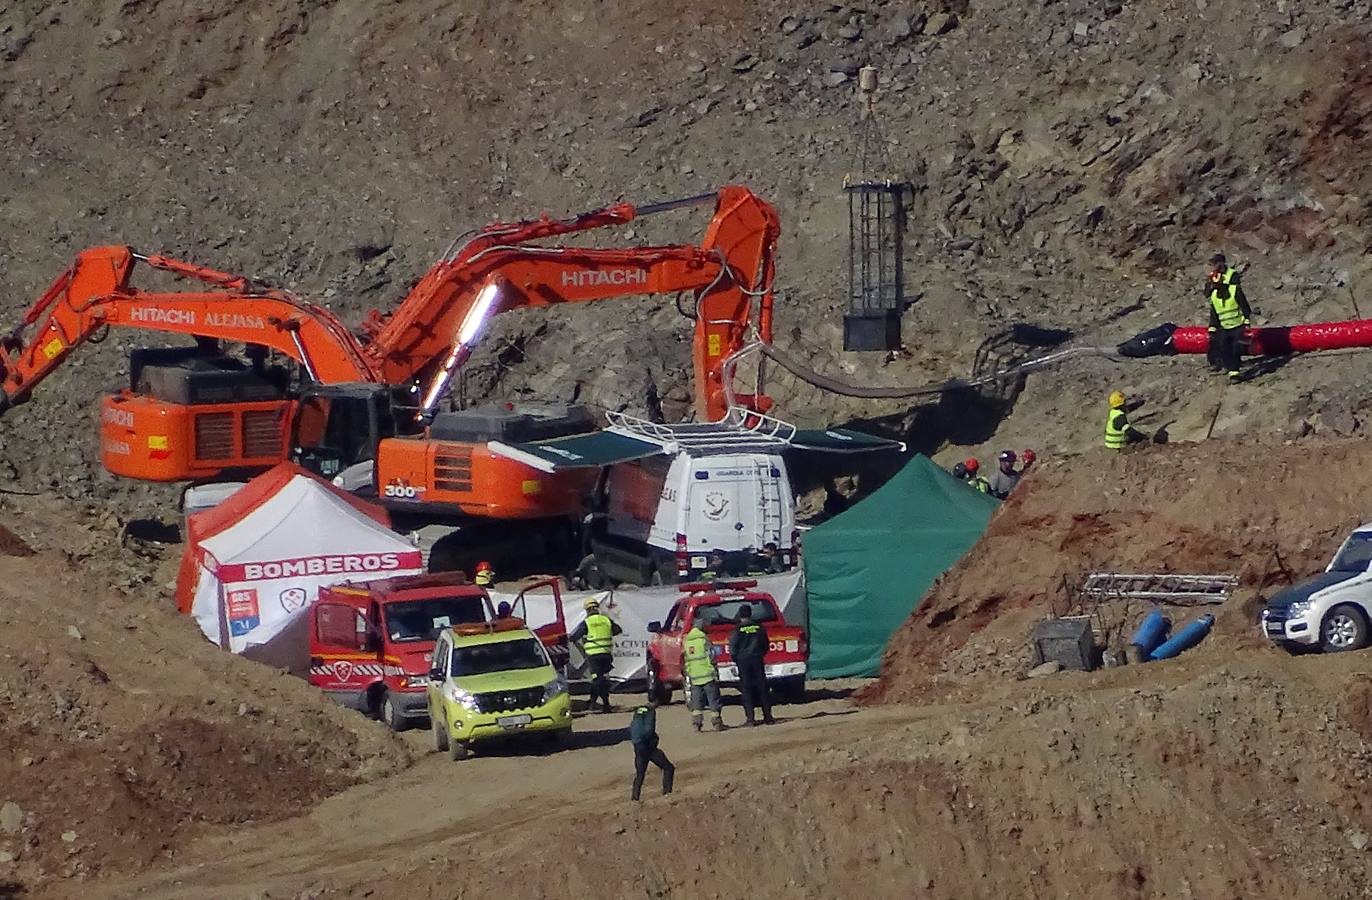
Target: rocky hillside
[1074, 164]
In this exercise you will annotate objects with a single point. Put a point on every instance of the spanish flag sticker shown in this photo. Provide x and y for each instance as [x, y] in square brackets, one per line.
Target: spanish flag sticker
[158, 447]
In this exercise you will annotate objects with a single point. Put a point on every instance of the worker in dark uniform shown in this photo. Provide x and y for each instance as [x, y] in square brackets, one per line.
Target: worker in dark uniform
[595, 635]
[1118, 432]
[716, 567]
[643, 735]
[1229, 317]
[768, 561]
[748, 647]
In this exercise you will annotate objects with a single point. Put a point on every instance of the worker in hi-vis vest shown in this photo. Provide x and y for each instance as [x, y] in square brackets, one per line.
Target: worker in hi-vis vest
[1118, 432]
[596, 637]
[1229, 318]
[702, 676]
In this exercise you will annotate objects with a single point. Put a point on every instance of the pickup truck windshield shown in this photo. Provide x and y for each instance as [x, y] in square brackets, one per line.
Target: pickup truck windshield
[422, 620]
[1355, 554]
[725, 612]
[483, 659]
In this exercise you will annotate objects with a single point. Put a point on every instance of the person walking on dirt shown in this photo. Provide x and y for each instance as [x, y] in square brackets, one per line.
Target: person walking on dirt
[1229, 316]
[643, 735]
[748, 647]
[1118, 432]
[702, 677]
[1006, 478]
[595, 635]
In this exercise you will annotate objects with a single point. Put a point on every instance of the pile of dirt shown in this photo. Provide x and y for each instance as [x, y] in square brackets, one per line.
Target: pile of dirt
[1233, 782]
[123, 733]
[1072, 166]
[1264, 510]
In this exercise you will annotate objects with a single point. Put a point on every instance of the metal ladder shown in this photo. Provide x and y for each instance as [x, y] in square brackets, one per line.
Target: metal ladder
[1178, 590]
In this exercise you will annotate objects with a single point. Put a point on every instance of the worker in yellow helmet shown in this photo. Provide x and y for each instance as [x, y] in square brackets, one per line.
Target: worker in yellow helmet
[1118, 432]
[596, 637]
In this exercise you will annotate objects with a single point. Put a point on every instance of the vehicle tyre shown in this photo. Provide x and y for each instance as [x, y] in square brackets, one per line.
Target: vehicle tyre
[440, 733]
[657, 690]
[390, 714]
[792, 689]
[458, 750]
[1344, 628]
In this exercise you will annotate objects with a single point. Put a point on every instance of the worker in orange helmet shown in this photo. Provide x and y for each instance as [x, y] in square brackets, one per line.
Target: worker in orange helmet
[485, 574]
[974, 477]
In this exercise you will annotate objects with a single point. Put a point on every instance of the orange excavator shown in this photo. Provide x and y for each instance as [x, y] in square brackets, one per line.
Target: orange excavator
[372, 400]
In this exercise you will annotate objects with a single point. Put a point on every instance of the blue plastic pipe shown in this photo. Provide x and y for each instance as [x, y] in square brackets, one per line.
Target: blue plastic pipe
[1151, 632]
[1185, 639]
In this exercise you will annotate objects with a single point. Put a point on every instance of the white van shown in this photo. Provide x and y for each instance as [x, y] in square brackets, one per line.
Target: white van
[662, 517]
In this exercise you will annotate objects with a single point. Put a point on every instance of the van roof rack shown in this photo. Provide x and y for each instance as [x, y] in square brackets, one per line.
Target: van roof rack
[739, 430]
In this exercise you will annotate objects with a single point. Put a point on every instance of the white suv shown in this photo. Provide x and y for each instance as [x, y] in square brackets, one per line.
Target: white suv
[1332, 610]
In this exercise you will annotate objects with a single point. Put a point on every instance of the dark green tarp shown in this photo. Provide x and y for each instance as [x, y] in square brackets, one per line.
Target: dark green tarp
[868, 567]
[578, 451]
[841, 440]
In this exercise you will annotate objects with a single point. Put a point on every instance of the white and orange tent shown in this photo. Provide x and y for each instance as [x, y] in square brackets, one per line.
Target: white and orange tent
[253, 564]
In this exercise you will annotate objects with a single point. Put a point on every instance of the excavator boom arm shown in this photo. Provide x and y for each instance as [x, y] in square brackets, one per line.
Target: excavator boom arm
[95, 293]
[730, 273]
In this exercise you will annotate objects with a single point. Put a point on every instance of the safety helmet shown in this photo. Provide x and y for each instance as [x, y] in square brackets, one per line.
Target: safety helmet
[1029, 456]
[1116, 399]
[1006, 456]
[972, 465]
[591, 603]
[960, 470]
[484, 566]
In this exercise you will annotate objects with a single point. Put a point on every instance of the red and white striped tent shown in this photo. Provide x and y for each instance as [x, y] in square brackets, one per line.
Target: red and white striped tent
[255, 563]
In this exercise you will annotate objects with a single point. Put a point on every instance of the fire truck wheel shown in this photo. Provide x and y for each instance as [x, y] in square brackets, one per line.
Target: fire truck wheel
[656, 689]
[440, 733]
[790, 690]
[458, 750]
[390, 714]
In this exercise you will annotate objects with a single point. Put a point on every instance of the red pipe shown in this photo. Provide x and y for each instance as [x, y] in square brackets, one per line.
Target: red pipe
[1282, 340]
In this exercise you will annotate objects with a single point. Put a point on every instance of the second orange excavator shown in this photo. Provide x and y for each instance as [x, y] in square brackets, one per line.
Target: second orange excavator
[306, 387]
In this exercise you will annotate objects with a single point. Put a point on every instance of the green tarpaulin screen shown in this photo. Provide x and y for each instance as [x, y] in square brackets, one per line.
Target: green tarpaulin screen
[578, 451]
[867, 568]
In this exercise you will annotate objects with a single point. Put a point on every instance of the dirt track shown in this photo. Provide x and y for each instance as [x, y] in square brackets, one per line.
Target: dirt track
[1213, 777]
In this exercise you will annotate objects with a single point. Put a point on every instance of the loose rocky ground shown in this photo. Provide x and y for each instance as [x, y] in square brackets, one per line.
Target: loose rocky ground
[1268, 511]
[123, 734]
[1073, 165]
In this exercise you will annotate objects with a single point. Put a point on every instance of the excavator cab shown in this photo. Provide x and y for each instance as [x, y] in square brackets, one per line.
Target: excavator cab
[340, 425]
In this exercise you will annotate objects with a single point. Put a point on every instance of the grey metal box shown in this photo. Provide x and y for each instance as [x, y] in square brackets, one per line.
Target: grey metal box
[1069, 641]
